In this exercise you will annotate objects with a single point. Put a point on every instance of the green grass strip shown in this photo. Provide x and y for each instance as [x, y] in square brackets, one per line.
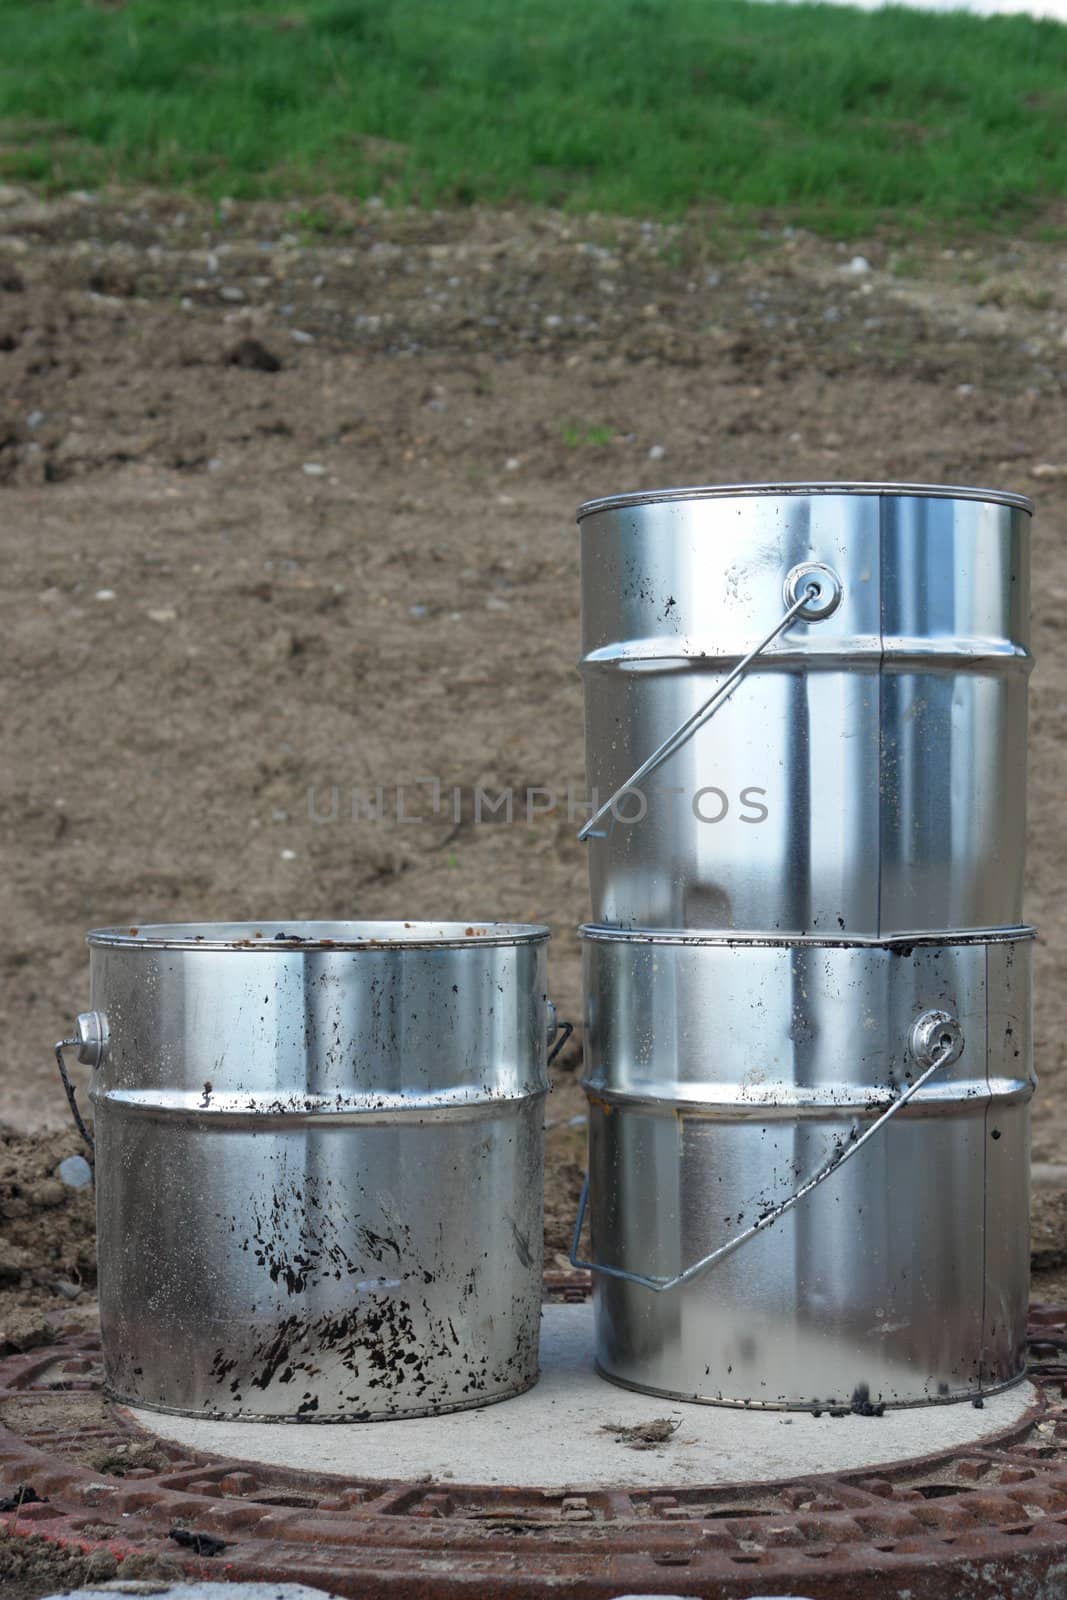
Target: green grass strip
[644, 107]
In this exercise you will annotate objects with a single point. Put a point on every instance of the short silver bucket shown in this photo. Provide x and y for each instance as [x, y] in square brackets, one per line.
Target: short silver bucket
[809, 1167]
[319, 1159]
[805, 708]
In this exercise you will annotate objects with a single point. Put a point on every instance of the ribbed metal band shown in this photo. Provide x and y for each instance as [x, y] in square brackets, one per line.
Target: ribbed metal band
[603, 933]
[250, 936]
[727, 491]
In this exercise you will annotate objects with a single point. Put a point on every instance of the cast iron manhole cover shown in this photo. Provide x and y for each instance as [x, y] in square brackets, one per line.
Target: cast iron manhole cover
[987, 1521]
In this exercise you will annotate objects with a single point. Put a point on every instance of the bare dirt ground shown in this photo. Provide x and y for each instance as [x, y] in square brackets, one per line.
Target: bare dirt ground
[284, 509]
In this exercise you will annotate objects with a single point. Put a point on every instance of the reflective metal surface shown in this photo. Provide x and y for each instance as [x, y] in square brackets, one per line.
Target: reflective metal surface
[866, 778]
[319, 1157]
[721, 1075]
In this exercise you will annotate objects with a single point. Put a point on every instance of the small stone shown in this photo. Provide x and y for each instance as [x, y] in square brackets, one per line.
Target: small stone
[75, 1172]
[298, 336]
[314, 469]
[287, 855]
[657, 452]
[858, 266]
[48, 1193]
[418, 611]
[104, 594]
[512, 464]
[281, 646]
[34, 419]
[232, 293]
[1049, 469]
[163, 614]
[13, 1262]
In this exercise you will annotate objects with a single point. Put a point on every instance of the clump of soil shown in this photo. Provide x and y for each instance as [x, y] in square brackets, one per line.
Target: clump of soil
[1048, 1229]
[563, 1188]
[254, 356]
[644, 1435]
[47, 1242]
[31, 1566]
[565, 1155]
[119, 1459]
[1048, 1244]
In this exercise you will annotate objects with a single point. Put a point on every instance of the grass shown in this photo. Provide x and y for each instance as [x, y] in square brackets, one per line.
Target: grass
[646, 107]
[579, 435]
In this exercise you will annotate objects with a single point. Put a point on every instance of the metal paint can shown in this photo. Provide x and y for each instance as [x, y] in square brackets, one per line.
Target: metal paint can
[319, 1165]
[861, 768]
[741, 1255]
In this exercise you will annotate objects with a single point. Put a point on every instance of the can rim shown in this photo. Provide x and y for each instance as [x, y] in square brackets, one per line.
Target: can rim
[606, 933]
[722, 491]
[318, 937]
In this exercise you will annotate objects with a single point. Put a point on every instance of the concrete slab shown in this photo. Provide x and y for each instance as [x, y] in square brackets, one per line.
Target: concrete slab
[558, 1434]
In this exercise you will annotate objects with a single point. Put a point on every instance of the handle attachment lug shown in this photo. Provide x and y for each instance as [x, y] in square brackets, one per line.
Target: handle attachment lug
[817, 586]
[90, 1032]
[936, 1036]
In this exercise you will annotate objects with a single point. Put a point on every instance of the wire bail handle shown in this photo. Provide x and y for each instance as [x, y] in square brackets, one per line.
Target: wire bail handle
[557, 1033]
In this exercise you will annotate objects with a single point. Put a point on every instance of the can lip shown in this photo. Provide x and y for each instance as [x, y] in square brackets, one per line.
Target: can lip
[721, 491]
[608, 933]
[298, 935]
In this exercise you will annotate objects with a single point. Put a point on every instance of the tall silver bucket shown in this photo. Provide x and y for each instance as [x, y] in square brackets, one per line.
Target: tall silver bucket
[319, 1158]
[807, 704]
[809, 1167]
